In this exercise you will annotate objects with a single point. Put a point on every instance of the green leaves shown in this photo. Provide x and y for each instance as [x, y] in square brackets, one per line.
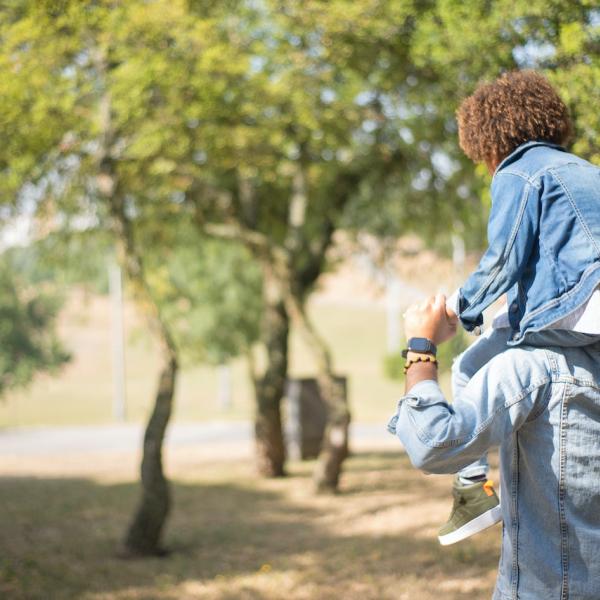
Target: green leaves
[28, 343]
[209, 292]
[210, 110]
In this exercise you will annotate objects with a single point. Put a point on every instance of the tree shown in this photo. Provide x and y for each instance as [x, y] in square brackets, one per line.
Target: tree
[98, 83]
[322, 100]
[350, 128]
[267, 121]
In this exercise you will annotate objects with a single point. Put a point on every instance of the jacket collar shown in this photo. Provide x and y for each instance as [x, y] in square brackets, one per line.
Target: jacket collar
[520, 150]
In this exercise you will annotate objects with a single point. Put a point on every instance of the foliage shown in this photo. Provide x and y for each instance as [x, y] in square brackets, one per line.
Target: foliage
[455, 45]
[63, 259]
[28, 342]
[138, 78]
[209, 293]
[222, 102]
[559, 37]
[288, 119]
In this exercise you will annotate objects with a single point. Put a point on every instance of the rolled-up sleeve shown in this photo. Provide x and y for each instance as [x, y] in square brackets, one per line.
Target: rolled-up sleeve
[443, 437]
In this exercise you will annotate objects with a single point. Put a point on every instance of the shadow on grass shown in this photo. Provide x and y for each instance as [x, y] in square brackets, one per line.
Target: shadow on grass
[61, 535]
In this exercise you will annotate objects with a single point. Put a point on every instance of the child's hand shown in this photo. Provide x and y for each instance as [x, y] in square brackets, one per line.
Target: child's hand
[451, 315]
[430, 319]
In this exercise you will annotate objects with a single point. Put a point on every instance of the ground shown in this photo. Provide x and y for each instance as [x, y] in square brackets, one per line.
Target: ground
[233, 536]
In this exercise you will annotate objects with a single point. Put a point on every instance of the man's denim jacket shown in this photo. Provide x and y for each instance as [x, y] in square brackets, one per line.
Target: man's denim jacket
[542, 407]
[544, 240]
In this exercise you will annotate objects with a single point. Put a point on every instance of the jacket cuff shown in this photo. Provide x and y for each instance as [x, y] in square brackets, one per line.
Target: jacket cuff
[424, 393]
[473, 323]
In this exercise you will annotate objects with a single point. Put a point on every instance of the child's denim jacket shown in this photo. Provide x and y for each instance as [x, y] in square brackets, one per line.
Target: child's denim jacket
[544, 240]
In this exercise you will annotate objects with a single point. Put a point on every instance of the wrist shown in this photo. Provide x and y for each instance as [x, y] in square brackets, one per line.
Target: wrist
[418, 372]
[411, 355]
[417, 358]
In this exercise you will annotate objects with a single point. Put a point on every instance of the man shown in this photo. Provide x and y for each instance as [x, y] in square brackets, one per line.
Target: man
[541, 405]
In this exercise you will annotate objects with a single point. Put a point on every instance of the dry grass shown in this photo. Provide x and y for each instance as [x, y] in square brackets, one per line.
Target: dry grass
[235, 537]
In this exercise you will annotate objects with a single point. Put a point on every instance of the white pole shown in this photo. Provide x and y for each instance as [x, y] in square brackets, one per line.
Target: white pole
[118, 341]
[225, 386]
[459, 251]
[393, 299]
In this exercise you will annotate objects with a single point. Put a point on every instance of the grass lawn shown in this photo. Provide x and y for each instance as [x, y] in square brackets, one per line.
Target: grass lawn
[235, 537]
[82, 392]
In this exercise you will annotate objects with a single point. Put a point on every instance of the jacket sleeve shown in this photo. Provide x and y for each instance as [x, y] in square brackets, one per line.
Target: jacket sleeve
[512, 230]
[443, 438]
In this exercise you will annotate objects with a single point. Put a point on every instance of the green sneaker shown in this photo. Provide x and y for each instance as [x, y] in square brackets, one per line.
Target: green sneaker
[476, 507]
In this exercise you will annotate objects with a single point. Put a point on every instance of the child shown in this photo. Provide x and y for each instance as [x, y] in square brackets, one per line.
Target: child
[544, 249]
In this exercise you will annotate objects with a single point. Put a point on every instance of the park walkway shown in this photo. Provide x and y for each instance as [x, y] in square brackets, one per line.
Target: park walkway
[226, 436]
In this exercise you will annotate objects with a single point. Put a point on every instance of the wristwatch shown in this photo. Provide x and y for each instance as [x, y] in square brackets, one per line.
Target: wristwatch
[419, 344]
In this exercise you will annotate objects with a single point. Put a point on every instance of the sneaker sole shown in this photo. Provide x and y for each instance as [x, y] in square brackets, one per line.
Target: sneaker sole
[483, 521]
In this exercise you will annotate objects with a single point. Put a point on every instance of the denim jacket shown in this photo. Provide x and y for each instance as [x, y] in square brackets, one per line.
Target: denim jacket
[542, 407]
[544, 240]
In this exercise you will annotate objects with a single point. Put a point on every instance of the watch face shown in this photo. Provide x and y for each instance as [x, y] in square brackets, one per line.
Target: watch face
[420, 345]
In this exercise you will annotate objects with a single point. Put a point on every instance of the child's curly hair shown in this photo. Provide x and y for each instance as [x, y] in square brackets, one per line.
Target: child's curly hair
[518, 107]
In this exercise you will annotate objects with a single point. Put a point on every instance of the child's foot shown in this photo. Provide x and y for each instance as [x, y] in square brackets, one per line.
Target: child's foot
[475, 508]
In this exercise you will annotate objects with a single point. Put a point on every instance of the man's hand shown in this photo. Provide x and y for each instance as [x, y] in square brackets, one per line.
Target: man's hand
[430, 320]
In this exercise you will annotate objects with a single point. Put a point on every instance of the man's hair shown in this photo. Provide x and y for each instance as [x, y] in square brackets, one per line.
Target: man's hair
[520, 106]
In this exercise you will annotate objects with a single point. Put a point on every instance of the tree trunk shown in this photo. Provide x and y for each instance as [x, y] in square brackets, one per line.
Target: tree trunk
[144, 534]
[270, 387]
[335, 440]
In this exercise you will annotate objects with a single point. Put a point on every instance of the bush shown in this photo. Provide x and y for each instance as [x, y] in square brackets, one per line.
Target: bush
[28, 342]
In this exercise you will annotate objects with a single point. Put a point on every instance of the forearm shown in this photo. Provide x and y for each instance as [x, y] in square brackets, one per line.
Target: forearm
[420, 371]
